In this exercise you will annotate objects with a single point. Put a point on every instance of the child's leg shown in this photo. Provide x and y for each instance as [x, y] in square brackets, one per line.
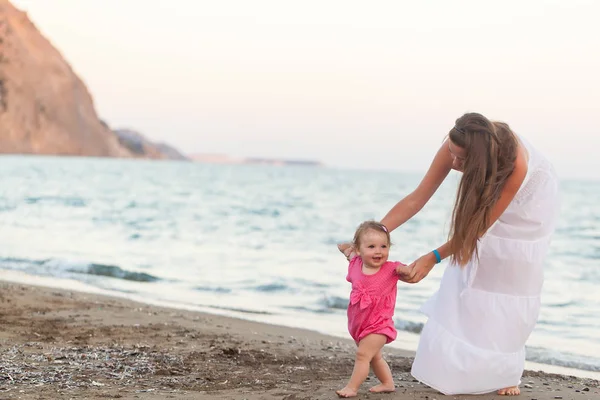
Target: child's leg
[383, 373]
[368, 347]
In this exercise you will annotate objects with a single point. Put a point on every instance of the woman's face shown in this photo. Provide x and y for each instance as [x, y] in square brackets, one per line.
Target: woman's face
[458, 156]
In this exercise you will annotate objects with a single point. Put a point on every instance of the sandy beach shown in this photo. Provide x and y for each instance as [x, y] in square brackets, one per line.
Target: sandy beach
[58, 344]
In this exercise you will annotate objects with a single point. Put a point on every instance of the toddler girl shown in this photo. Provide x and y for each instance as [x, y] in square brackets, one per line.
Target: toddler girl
[372, 300]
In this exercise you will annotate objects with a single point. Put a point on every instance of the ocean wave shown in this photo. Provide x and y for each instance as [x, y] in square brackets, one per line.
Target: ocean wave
[335, 302]
[309, 309]
[562, 359]
[240, 310]
[60, 268]
[562, 304]
[310, 283]
[212, 289]
[7, 207]
[67, 201]
[113, 271]
[272, 287]
[19, 263]
[409, 326]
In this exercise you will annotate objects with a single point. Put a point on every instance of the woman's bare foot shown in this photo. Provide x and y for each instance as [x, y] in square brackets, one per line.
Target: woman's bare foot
[383, 388]
[346, 392]
[510, 391]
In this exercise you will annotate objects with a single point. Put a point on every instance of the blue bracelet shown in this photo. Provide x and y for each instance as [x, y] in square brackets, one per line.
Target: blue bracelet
[437, 256]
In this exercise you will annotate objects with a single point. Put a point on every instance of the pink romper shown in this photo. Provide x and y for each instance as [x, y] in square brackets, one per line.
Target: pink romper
[372, 300]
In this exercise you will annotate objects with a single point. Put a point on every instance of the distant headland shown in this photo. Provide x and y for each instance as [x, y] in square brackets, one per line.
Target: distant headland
[210, 158]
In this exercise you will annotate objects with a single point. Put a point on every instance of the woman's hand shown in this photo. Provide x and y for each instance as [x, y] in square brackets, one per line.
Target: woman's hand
[418, 269]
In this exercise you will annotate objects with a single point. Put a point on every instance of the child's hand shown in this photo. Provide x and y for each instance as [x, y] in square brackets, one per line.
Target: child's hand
[347, 250]
[403, 270]
[418, 269]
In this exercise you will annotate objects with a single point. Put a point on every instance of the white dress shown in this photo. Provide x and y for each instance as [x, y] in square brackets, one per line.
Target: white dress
[482, 314]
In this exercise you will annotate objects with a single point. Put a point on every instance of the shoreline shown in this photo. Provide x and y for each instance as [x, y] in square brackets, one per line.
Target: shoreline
[59, 343]
[74, 285]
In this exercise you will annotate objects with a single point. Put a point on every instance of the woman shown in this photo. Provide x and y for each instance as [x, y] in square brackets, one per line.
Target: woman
[489, 298]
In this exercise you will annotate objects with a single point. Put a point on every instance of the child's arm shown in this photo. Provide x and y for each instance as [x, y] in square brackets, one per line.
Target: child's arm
[402, 269]
[347, 250]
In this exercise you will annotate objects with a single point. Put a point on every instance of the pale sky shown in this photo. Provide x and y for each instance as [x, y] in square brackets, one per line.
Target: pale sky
[363, 84]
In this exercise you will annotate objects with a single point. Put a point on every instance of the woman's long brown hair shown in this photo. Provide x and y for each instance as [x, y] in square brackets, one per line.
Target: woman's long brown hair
[491, 151]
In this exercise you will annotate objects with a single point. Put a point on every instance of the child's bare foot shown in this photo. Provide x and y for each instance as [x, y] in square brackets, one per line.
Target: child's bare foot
[510, 391]
[346, 392]
[383, 388]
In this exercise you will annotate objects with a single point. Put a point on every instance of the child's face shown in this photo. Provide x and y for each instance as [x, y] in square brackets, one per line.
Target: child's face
[374, 248]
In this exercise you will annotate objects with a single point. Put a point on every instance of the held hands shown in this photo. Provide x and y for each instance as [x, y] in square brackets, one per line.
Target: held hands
[418, 270]
[347, 250]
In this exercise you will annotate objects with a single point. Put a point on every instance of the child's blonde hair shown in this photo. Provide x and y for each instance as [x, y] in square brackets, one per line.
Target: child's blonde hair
[365, 226]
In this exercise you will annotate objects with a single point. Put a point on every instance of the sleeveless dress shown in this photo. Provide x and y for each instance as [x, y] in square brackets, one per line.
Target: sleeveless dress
[372, 300]
[482, 314]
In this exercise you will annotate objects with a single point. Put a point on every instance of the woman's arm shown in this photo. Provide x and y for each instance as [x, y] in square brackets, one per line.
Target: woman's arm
[406, 208]
[422, 266]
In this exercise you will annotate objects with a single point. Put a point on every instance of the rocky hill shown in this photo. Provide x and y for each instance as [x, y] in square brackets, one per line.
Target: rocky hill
[45, 108]
[140, 146]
